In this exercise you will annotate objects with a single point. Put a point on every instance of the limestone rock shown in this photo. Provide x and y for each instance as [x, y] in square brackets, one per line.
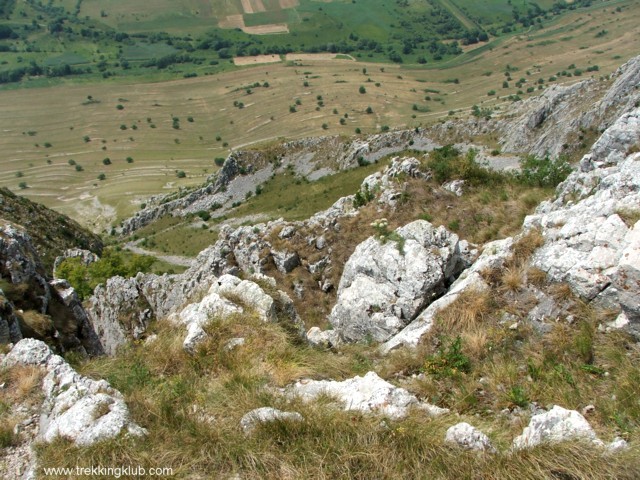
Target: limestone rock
[556, 425]
[369, 394]
[468, 437]
[67, 296]
[285, 261]
[455, 186]
[29, 289]
[9, 326]
[87, 257]
[586, 241]
[118, 311]
[388, 185]
[493, 256]
[75, 407]
[382, 289]
[326, 338]
[229, 295]
[265, 415]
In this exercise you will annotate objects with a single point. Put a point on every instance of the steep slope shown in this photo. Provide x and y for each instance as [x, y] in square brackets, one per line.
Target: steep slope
[51, 232]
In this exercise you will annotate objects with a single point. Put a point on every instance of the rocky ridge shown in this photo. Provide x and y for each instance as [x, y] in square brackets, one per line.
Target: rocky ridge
[74, 407]
[34, 305]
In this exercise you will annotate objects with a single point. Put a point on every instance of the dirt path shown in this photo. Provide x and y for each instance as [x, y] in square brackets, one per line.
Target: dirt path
[173, 259]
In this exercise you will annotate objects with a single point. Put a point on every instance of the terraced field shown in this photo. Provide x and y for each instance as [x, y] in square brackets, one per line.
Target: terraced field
[55, 140]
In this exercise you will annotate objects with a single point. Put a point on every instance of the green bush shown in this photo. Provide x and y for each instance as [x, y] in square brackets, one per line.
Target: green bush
[85, 278]
[363, 196]
[543, 172]
[447, 163]
[449, 361]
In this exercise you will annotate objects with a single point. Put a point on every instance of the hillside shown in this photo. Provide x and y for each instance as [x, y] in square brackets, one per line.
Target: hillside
[51, 232]
[443, 320]
[151, 132]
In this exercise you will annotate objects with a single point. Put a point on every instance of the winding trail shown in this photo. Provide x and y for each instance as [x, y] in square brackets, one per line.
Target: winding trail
[173, 259]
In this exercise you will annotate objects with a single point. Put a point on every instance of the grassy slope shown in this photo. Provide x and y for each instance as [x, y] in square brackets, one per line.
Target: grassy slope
[192, 405]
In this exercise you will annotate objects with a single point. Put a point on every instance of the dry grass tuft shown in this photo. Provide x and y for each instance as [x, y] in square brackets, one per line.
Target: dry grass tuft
[466, 312]
[536, 277]
[513, 279]
[527, 245]
[38, 323]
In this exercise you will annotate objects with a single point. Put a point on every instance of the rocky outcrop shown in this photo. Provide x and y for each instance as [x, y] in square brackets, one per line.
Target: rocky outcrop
[230, 295]
[27, 289]
[544, 123]
[468, 437]
[251, 420]
[87, 257]
[9, 327]
[493, 256]
[592, 238]
[368, 394]
[49, 231]
[119, 311]
[388, 184]
[556, 425]
[387, 281]
[75, 314]
[82, 410]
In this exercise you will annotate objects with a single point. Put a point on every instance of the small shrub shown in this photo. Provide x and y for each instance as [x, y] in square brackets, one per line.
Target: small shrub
[219, 161]
[543, 172]
[449, 361]
[181, 174]
[106, 161]
[363, 196]
[518, 396]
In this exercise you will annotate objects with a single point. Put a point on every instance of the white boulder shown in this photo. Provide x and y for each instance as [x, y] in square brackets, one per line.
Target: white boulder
[387, 282]
[369, 394]
[83, 410]
[556, 425]
[468, 437]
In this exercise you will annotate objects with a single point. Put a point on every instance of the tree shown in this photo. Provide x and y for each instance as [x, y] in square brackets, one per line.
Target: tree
[102, 176]
[369, 110]
[362, 89]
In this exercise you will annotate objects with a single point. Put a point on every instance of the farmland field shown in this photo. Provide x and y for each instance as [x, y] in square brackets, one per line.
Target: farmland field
[96, 149]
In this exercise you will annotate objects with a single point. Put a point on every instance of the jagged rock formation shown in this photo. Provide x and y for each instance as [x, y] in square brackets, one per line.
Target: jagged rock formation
[493, 256]
[119, 311]
[75, 407]
[244, 170]
[50, 232]
[588, 244]
[544, 124]
[586, 240]
[369, 394]
[388, 281]
[33, 306]
[469, 437]
[230, 295]
[9, 324]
